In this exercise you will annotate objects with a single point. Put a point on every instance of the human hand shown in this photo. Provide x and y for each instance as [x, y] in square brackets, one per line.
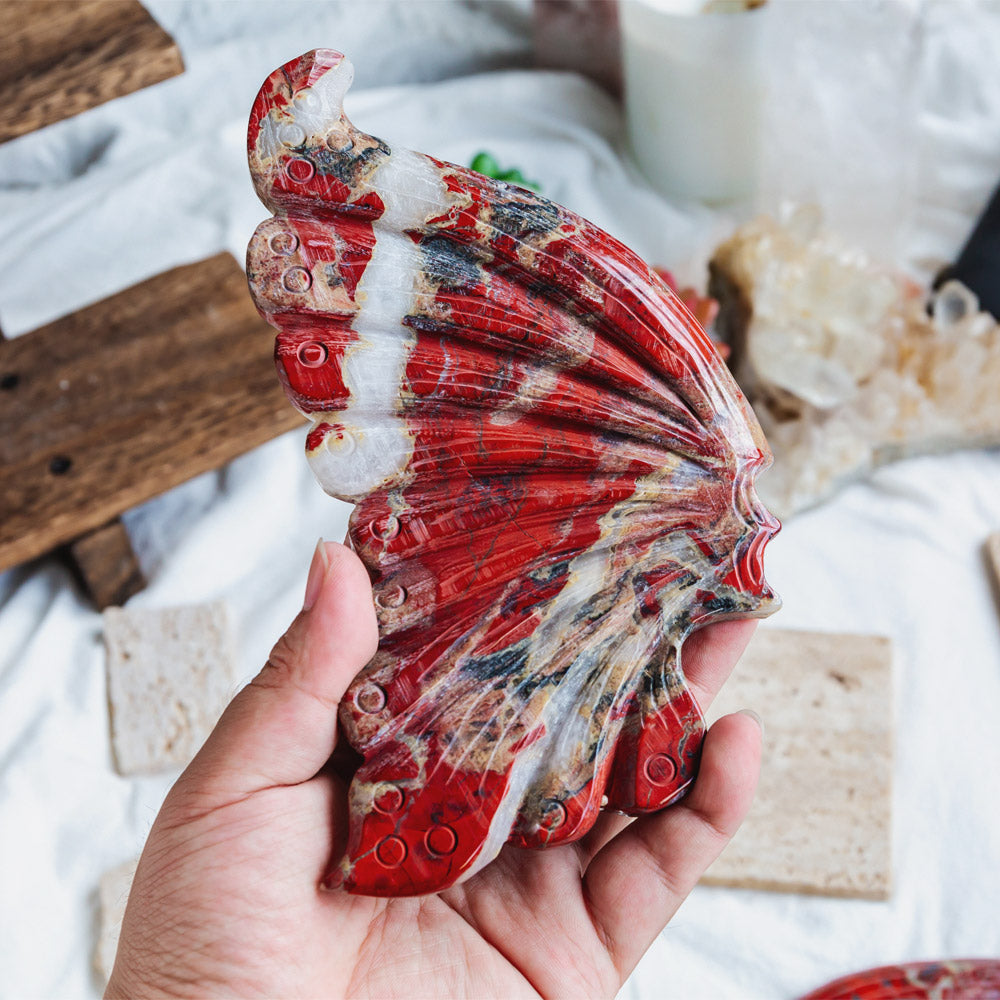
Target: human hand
[226, 899]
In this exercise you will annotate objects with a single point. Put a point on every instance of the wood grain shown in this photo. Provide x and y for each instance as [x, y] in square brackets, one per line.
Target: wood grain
[61, 57]
[107, 565]
[108, 407]
[820, 822]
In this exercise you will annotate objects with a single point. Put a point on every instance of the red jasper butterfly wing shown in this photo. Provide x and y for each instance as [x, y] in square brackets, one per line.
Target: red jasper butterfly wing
[553, 477]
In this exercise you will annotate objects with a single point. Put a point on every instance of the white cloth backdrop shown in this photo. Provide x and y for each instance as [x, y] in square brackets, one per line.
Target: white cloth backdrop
[158, 178]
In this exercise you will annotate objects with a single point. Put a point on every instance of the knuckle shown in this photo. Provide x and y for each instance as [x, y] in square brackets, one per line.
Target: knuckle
[282, 661]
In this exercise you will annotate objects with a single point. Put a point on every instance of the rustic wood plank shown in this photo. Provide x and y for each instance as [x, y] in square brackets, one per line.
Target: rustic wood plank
[820, 822]
[107, 565]
[121, 401]
[61, 57]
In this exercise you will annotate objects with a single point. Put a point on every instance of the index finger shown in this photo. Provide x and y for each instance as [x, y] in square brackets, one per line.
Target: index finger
[709, 655]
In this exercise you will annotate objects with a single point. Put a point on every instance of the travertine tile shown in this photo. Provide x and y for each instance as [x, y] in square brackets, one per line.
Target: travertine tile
[171, 672]
[820, 822]
[113, 893]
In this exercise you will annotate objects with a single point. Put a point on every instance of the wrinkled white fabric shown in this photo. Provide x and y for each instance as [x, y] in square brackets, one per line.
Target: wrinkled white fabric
[158, 178]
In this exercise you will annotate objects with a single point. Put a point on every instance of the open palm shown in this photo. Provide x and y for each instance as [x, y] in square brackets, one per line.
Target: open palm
[227, 898]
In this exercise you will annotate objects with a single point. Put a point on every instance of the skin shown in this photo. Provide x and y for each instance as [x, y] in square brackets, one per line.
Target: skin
[227, 899]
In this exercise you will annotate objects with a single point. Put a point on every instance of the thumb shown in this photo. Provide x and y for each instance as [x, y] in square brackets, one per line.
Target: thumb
[282, 727]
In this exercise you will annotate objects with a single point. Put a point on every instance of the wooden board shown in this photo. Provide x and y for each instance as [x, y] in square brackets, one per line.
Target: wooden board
[820, 822]
[108, 407]
[61, 57]
[108, 566]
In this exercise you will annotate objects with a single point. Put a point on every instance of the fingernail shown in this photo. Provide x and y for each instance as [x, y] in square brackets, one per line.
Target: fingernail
[317, 572]
[756, 718]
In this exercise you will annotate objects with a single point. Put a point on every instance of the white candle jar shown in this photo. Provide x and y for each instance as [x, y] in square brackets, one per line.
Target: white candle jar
[693, 96]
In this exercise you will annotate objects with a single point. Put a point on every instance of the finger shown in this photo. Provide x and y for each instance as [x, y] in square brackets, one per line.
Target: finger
[637, 882]
[709, 655]
[282, 727]
[607, 826]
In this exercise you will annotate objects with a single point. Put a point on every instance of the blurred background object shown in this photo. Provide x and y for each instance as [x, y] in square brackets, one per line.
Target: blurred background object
[821, 821]
[978, 265]
[957, 979]
[61, 57]
[122, 401]
[580, 35]
[694, 91]
[844, 362]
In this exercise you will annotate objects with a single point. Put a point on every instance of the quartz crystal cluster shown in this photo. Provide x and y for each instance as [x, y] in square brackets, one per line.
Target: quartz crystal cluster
[553, 474]
[846, 366]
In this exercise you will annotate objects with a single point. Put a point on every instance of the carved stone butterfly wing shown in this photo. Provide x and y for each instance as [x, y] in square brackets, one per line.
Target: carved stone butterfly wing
[553, 473]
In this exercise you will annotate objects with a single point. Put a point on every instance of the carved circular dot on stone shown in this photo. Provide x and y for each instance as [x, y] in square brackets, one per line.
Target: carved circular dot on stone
[660, 769]
[386, 527]
[391, 597]
[312, 354]
[339, 141]
[345, 442]
[284, 243]
[391, 851]
[291, 134]
[553, 815]
[441, 840]
[308, 99]
[370, 698]
[297, 279]
[300, 169]
[389, 800]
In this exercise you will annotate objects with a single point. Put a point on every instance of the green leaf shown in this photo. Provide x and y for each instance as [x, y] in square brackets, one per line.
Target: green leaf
[484, 163]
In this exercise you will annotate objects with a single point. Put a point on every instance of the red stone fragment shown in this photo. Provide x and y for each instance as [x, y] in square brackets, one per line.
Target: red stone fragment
[553, 474]
[953, 979]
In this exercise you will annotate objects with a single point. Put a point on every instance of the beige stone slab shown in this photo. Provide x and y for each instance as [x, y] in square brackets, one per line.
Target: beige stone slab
[821, 819]
[113, 893]
[171, 672]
